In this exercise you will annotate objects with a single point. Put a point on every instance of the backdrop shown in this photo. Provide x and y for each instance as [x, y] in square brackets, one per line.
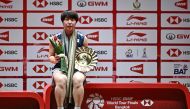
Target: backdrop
[136, 40]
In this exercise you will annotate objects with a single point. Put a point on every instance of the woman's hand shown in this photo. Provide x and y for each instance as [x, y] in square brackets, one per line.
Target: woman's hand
[63, 56]
[57, 58]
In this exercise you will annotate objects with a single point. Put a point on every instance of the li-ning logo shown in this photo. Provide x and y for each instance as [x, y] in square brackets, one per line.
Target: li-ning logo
[48, 19]
[39, 84]
[40, 36]
[6, 1]
[40, 68]
[40, 3]
[4, 36]
[136, 34]
[147, 102]
[174, 20]
[95, 101]
[93, 36]
[85, 19]
[174, 52]
[43, 49]
[182, 4]
[140, 18]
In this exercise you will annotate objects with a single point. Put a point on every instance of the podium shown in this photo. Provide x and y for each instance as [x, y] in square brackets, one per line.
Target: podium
[20, 100]
[129, 96]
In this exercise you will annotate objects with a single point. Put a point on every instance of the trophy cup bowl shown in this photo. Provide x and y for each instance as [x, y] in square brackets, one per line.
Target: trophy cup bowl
[85, 59]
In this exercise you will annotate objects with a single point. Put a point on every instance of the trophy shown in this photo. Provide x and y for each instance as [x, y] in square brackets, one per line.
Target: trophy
[85, 59]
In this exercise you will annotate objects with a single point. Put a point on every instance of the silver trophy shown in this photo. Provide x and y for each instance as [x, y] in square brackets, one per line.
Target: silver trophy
[85, 59]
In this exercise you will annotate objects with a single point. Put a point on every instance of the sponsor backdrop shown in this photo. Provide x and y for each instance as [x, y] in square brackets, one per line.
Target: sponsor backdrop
[144, 41]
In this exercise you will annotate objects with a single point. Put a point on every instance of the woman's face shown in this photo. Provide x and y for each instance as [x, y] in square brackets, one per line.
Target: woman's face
[69, 25]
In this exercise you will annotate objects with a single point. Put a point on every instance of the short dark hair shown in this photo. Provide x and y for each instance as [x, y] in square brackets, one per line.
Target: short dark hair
[69, 14]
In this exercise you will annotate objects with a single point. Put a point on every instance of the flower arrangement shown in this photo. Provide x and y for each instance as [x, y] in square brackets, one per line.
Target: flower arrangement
[59, 50]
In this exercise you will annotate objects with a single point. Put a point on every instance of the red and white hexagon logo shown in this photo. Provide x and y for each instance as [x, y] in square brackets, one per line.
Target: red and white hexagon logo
[174, 52]
[85, 19]
[147, 102]
[95, 101]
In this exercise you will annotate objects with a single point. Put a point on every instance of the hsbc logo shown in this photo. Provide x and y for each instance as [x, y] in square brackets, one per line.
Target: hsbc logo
[40, 36]
[39, 84]
[40, 3]
[147, 102]
[174, 52]
[138, 68]
[8, 52]
[94, 36]
[174, 20]
[85, 19]
[40, 68]
[102, 52]
[4, 36]
[9, 85]
[136, 20]
[44, 3]
[182, 4]
[9, 19]
[48, 19]
[88, 19]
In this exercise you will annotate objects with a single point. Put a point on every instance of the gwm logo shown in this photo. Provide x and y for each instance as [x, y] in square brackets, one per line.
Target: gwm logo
[95, 101]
